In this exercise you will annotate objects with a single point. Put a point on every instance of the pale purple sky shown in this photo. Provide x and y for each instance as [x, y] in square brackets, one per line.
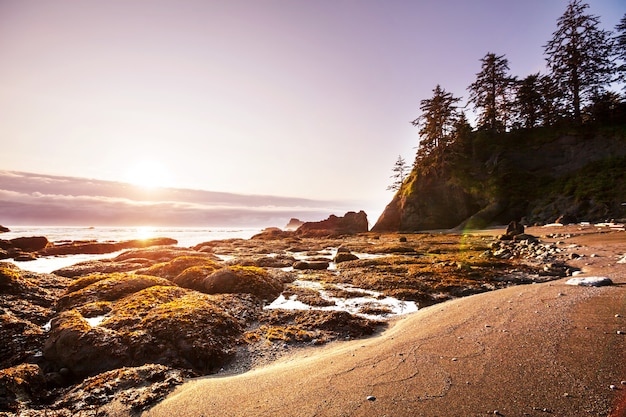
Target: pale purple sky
[307, 99]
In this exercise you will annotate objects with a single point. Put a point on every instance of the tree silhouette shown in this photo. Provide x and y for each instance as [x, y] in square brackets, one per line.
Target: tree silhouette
[491, 93]
[400, 171]
[579, 56]
[436, 124]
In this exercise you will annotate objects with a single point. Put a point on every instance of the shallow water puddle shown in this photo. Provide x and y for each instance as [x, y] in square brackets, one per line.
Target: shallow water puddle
[370, 300]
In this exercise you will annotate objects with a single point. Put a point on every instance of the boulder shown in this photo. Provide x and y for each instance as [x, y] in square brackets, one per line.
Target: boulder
[232, 280]
[30, 244]
[74, 248]
[514, 228]
[167, 325]
[315, 265]
[344, 257]
[350, 223]
[20, 386]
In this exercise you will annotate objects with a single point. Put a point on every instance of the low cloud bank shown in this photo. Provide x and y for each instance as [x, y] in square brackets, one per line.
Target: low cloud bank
[33, 199]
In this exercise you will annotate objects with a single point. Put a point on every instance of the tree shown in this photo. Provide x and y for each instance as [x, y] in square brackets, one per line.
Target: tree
[551, 101]
[491, 92]
[436, 124]
[529, 101]
[579, 56]
[620, 49]
[400, 170]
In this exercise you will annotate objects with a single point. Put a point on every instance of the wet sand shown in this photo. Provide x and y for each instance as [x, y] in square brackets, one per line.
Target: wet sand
[537, 350]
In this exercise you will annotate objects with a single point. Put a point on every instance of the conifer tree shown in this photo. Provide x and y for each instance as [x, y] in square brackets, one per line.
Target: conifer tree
[491, 93]
[620, 49]
[436, 124]
[579, 56]
[529, 101]
[400, 171]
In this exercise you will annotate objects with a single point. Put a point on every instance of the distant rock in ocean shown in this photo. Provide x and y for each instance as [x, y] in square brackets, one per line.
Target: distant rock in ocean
[294, 224]
[6, 229]
[350, 223]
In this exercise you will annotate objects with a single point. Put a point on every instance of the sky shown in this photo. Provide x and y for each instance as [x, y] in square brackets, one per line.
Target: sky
[291, 98]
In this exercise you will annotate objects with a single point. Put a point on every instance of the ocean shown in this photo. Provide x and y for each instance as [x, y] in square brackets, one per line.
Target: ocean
[186, 237]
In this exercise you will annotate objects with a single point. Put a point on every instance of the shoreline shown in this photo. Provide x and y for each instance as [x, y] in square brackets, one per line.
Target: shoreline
[522, 350]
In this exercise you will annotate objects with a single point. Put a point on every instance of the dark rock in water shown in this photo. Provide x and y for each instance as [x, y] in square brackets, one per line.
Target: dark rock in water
[273, 233]
[316, 265]
[344, 257]
[293, 224]
[30, 244]
[74, 248]
[514, 228]
[350, 223]
[20, 386]
[4, 229]
[24, 257]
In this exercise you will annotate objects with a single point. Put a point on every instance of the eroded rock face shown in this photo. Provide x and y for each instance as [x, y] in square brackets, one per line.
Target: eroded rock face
[21, 385]
[350, 223]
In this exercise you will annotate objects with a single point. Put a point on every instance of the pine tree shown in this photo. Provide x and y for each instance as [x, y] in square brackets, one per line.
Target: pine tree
[491, 93]
[529, 101]
[436, 124]
[400, 170]
[579, 56]
[620, 49]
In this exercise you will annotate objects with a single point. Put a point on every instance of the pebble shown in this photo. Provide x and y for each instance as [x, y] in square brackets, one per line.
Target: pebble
[621, 332]
[613, 387]
[618, 316]
[371, 398]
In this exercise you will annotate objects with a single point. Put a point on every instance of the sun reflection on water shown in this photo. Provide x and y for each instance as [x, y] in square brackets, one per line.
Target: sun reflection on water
[145, 232]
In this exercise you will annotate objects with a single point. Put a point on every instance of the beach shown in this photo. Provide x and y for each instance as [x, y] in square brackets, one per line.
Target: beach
[541, 349]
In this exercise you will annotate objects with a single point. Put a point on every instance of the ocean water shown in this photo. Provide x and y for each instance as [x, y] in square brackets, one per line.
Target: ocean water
[186, 237]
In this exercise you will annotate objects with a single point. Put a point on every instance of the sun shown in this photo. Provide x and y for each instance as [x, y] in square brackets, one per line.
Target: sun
[148, 173]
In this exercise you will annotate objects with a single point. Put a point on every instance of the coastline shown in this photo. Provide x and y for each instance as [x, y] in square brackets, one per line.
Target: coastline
[542, 349]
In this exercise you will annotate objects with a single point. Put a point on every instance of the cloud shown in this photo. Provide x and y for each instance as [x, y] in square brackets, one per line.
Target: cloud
[35, 199]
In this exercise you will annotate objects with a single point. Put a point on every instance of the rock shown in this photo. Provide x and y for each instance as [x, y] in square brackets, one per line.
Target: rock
[103, 266]
[21, 385]
[232, 280]
[350, 223]
[24, 257]
[172, 268]
[4, 229]
[74, 248]
[273, 233]
[316, 265]
[514, 228]
[30, 244]
[294, 224]
[590, 281]
[135, 388]
[168, 325]
[344, 257]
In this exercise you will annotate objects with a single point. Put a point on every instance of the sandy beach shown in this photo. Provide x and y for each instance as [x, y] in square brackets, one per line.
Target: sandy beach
[531, 350]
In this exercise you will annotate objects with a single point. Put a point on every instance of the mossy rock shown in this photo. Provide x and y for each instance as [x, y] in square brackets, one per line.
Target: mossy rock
[176, 266]
[108, 287]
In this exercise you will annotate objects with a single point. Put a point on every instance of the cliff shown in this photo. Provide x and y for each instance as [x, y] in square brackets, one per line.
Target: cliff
[538, 176]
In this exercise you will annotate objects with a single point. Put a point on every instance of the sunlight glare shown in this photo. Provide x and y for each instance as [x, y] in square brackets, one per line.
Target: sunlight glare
[145, 232]
[148, 173]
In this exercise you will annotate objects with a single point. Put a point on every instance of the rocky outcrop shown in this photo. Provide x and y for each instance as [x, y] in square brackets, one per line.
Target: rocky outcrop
[22, 247]
[294, 224]
[350, 223]
[151, 321]
[427, 203]
[4, 229]
[535, 175]
[93, 248]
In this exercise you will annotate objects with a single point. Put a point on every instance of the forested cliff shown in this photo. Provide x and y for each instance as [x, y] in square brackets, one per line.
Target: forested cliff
[544, 146]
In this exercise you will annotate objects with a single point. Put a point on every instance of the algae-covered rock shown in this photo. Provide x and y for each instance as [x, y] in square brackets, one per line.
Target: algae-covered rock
[20, 386]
